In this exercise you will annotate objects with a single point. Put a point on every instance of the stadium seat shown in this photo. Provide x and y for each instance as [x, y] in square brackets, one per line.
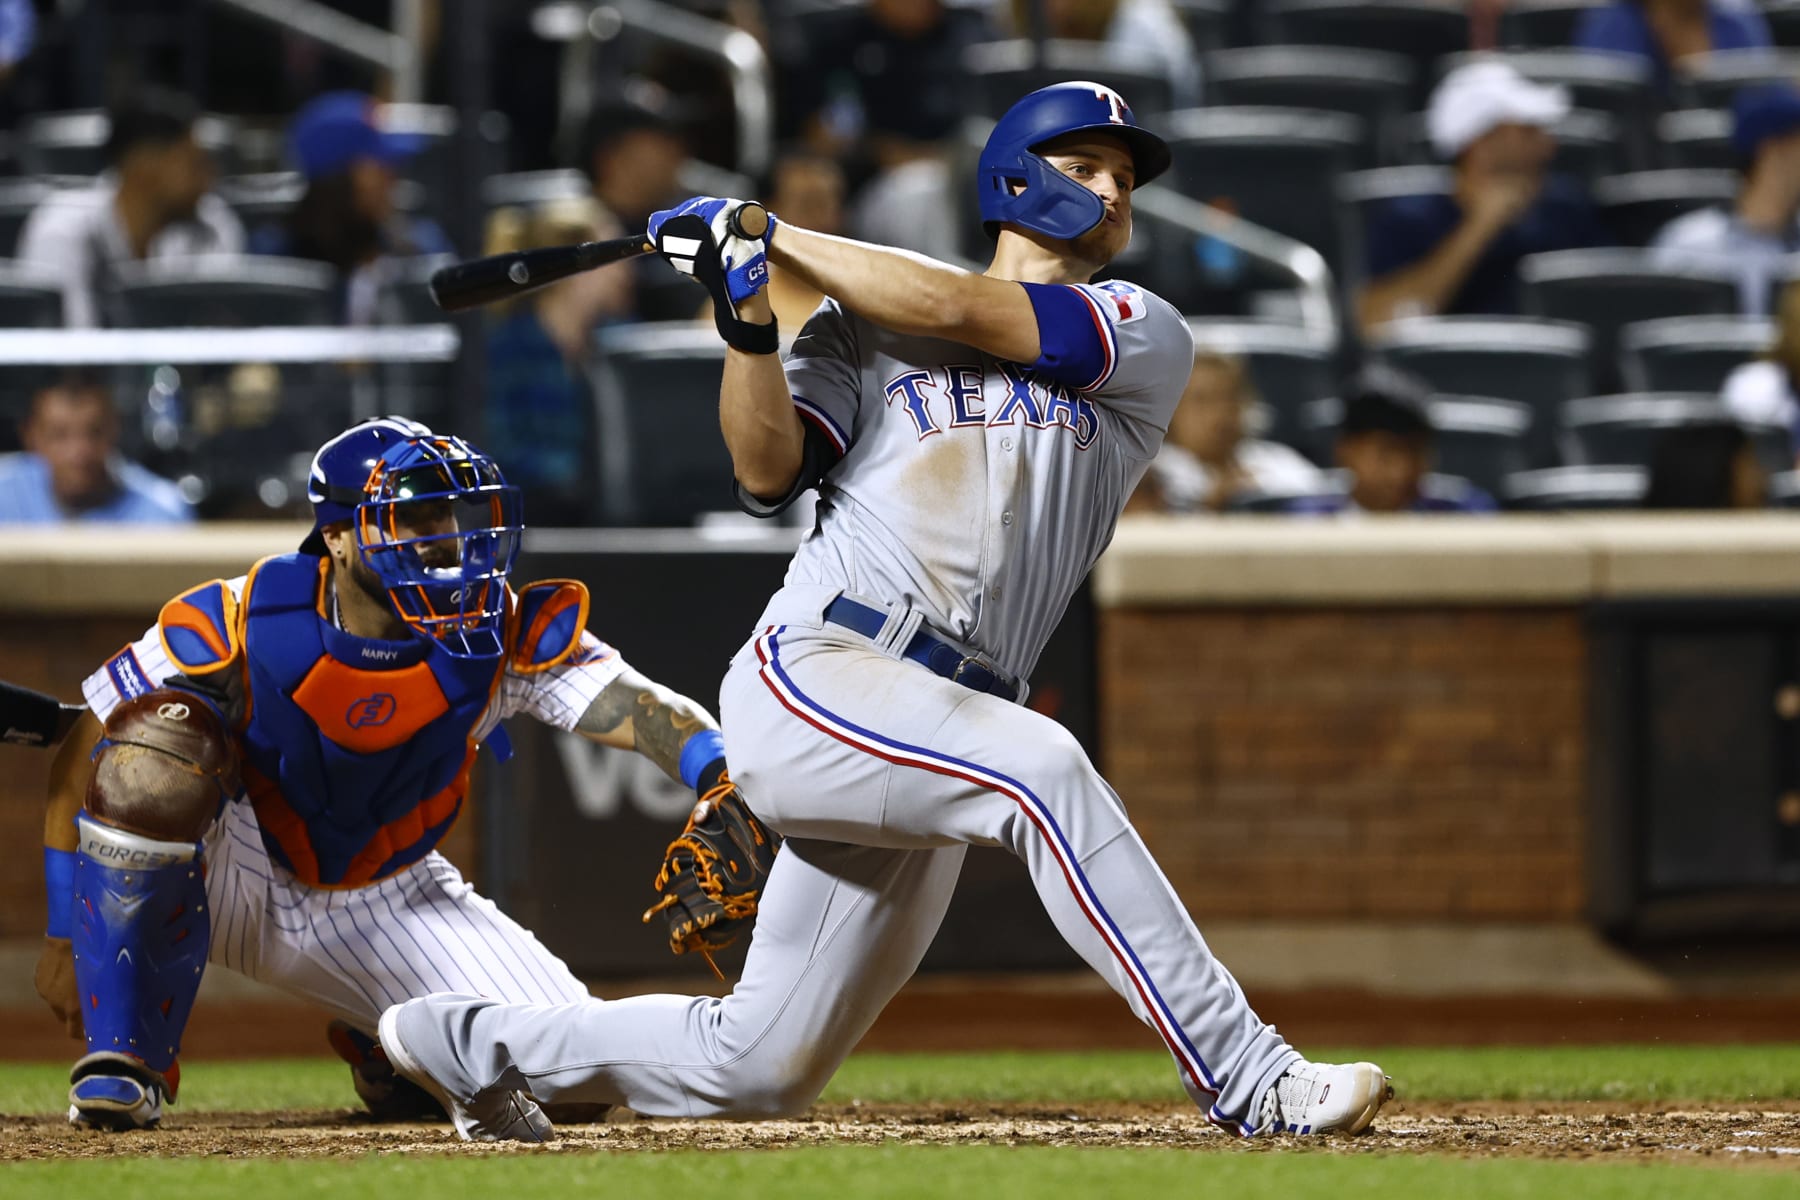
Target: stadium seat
[74, 143]
[527, 188]
[1690, 354]
[1608, 289]
[263, 198]
[1618, 85]
[1637, 206]
[1697, 139]
[1783, 17]
[1711, 80]
[1276, 167]
[1001, 72]
[1541, 364]
[654, 385]
[1622, 430]
[1290, 367]
[225, 290]
[1544, 24]
[1562, 489]
[1199, 275]
[1475, 438]
[1208, 22]
[1361, 194]
[17, 198]
[1368, 84]
[1423, 30]
[436, 169]
[1784, 489]
[30, 296]
[405, 297]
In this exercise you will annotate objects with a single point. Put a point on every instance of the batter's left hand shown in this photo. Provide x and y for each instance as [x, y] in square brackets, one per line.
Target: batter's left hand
[742, 260]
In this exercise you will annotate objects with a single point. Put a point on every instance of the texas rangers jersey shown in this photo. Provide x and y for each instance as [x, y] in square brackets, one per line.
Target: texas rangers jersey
[979, 491]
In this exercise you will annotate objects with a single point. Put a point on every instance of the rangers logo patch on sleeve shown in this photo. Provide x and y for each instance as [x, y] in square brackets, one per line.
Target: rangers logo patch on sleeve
[1127, 302]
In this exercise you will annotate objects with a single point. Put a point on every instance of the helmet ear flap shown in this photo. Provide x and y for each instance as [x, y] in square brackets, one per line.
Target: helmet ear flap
[1034, 194]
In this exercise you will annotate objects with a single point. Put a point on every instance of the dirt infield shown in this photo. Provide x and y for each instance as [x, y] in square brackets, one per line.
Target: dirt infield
[1726, 1134]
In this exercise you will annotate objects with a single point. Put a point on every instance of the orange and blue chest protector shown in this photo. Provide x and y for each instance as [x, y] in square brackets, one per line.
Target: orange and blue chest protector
[357, 752]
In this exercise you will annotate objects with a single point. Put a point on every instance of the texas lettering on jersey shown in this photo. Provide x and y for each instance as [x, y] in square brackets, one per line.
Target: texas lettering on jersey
[950, 397]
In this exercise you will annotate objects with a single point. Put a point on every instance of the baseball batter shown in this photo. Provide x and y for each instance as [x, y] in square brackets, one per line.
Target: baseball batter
[283, 752]
[973, 439]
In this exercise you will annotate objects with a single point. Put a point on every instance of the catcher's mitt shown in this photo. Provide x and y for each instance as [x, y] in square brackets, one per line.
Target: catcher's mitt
[713, 874]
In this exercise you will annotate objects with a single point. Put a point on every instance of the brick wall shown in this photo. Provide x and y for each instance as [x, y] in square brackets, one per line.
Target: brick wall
[55, 656]
[1352, 763]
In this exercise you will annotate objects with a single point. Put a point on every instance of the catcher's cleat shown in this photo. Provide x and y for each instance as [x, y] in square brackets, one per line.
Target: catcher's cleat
[509, 1116]
[388, 1096]
[1324, 1098]
[115, 1092]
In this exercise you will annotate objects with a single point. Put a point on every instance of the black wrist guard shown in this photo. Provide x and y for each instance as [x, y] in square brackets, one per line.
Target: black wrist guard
[710, 272]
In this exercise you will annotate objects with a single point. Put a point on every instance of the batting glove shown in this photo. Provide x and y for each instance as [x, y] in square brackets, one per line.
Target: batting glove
[743, 261]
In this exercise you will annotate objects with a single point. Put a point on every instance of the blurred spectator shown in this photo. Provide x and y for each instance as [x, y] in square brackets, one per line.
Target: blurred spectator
[18, 33]
[808, 190]
[634, 155]
[1751, 238]
[1706, 466]
[1148, 29]
[1384, 445]
[1208, 461]
[71, 469]
[540, 415]
[1459, 253]
[882, 88]
[347, 217]
[1764, 391]
[1667, 32]
[154, 201]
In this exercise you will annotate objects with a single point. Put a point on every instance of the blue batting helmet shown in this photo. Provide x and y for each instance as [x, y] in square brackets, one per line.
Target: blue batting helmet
[435, 521]
[1019, 186]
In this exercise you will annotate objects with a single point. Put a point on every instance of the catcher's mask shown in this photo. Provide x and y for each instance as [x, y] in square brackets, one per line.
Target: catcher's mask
[434, 520]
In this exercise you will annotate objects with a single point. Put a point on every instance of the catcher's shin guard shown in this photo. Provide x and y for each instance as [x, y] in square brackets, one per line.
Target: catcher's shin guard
[140, 941]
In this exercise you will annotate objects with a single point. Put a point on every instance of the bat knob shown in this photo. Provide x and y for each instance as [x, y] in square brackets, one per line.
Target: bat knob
[749, 220]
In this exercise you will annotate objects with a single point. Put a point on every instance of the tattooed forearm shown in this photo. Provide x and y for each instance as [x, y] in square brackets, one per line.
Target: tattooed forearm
[661, 720]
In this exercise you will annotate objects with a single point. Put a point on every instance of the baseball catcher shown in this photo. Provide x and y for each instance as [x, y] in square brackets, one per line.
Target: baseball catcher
[262, 780]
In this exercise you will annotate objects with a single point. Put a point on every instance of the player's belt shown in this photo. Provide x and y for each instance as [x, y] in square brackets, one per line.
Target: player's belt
[932, 653]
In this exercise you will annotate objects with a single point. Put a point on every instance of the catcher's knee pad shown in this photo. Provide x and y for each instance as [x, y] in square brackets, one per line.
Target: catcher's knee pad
[164, 767]
[140, 940]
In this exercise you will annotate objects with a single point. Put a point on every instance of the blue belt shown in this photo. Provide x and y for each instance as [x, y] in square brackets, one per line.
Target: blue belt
[932, 653]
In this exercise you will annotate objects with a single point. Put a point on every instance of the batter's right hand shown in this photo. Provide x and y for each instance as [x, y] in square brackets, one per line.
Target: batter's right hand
[56, 983]
[707, 232]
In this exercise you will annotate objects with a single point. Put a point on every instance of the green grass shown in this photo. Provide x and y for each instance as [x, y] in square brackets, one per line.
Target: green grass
[875, 1173]
[1621, 1073]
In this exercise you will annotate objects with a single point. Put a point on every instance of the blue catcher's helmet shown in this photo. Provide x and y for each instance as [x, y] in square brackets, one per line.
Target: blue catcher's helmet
[435, 521]
[1019, 186]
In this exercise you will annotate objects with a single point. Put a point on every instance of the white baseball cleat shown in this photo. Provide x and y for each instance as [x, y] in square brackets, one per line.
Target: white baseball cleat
[1324, 1098]
[115, 1092]
[502, 1117]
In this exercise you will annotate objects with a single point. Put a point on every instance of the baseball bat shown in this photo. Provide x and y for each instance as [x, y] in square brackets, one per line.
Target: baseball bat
[504, 276]
[31, 718]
